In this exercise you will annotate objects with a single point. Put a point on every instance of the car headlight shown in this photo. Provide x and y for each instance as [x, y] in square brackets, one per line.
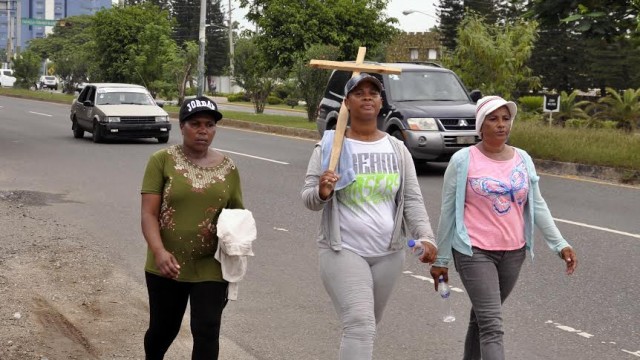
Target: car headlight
[162, 119]
[112, 119]
[427, 124]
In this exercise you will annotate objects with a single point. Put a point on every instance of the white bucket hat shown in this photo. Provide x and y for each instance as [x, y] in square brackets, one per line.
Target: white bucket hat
[489, 104]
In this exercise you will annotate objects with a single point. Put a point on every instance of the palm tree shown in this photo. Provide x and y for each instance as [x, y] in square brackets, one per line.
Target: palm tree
[622, 107]
[570, 108]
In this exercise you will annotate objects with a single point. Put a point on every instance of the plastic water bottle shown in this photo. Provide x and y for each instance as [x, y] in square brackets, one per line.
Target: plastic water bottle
[416, 247]
[445, 294]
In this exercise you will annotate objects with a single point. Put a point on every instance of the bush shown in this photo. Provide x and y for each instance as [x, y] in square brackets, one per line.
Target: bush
[282, 91]
[273, 100]
[235, 97]
[531, 103]
[291, 102]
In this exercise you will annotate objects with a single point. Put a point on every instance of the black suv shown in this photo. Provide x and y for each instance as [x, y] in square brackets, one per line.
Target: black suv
[426, 106]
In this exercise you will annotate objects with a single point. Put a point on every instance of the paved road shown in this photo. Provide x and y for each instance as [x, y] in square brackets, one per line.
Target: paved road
[283, 312]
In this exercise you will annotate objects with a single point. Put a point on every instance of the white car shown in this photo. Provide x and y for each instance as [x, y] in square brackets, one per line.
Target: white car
[6, 78]
[109, 110]
[50, 82]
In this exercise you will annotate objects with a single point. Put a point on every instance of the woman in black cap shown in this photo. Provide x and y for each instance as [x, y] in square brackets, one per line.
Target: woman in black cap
[370, 205]
[185, 187]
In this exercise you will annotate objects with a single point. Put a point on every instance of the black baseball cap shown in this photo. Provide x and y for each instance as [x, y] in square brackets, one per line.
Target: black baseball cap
[356, 80]
[200, 104]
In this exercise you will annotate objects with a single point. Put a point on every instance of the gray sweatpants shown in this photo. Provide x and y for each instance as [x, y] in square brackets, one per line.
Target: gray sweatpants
[359, 288]
[488, 277]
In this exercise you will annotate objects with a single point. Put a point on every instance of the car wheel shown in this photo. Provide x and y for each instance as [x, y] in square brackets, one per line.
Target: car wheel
[398, 135]
[97, 133]
[78, 133]
[163, 139]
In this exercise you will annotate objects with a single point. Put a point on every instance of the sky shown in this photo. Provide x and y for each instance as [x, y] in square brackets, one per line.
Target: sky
[415, 22]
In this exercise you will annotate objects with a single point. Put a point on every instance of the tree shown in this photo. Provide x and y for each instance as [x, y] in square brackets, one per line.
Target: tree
[487, 9]
[69, 48]
[559, 59]
[571, 107]
[27, 69]
[623, 107]
[604, 19]
[130, 44]
[187, 16]
[590, 39]
[313, 81]
[253, 73]
[148, 59]
[289, 28]
[181, 66]
[451, 13]
[493, 57]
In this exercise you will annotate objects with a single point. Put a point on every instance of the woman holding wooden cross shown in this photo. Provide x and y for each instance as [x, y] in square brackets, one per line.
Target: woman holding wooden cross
[370, 204]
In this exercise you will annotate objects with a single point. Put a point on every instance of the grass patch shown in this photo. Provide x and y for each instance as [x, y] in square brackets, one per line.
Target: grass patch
[602, 147]
[38, 95]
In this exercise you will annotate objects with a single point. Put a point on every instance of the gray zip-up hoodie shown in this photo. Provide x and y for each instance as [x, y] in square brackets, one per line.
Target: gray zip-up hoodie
[410, 219]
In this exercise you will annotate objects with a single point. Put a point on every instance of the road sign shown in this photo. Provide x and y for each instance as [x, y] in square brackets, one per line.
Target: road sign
[551, 103]
[38, 22]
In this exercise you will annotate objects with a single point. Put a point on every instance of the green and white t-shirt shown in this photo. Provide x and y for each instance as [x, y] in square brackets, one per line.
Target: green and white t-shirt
[192, 199]
[367, 206]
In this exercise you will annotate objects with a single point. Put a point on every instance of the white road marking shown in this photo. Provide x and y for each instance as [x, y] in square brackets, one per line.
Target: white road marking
[570, 329]
[425, 278]
[255, 157]
[599, 228]
[280, 229]
[37, 113]
[637, 353]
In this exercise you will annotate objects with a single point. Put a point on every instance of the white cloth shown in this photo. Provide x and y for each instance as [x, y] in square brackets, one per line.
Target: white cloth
[236, 232]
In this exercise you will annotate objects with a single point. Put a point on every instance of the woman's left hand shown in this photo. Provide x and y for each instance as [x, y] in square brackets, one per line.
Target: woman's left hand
[569, 256]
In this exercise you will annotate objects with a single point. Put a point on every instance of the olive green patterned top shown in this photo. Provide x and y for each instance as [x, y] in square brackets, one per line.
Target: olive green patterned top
[192, 199]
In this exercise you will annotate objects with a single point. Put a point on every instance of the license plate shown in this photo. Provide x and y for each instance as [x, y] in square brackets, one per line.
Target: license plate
[466, 140]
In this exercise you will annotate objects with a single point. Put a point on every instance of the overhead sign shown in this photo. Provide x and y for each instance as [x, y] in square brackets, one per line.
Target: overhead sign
[551, 103]
[38, 22]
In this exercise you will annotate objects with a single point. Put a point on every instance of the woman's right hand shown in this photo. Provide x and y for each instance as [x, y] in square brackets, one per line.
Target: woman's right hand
[327, 183]
[437, 272]
[167, 264]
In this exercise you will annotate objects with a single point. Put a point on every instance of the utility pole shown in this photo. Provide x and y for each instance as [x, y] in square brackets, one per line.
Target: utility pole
[9, 33]
[230, 46]
[201, 38]
[18, 27]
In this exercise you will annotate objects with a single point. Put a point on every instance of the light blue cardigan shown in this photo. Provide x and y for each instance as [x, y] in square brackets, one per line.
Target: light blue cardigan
[452, 233]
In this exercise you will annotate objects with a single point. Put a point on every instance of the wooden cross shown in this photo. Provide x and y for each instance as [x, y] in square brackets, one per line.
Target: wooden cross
[343, 116]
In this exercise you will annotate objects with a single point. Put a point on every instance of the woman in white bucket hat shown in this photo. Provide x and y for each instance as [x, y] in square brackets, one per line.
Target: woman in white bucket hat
[490, 203]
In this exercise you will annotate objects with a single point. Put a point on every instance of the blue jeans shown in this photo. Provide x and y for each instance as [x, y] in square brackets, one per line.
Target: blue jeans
[488, 277]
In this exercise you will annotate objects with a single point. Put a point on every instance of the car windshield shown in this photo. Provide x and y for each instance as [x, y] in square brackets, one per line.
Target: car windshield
[51, 78]
[425, 86]
[123, 96]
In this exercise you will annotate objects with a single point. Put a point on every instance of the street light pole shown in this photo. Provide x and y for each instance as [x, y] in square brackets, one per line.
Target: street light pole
[230, 45]
[201, 38]
[411, 11]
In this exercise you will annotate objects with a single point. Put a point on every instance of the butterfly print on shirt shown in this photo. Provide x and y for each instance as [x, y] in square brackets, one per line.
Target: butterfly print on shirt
[501, 194]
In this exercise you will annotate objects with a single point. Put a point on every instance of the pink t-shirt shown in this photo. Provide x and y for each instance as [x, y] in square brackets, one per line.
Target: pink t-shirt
[495, 198]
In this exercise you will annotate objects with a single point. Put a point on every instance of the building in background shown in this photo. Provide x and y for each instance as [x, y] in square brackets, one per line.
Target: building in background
[10, 10]
[415, 47]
